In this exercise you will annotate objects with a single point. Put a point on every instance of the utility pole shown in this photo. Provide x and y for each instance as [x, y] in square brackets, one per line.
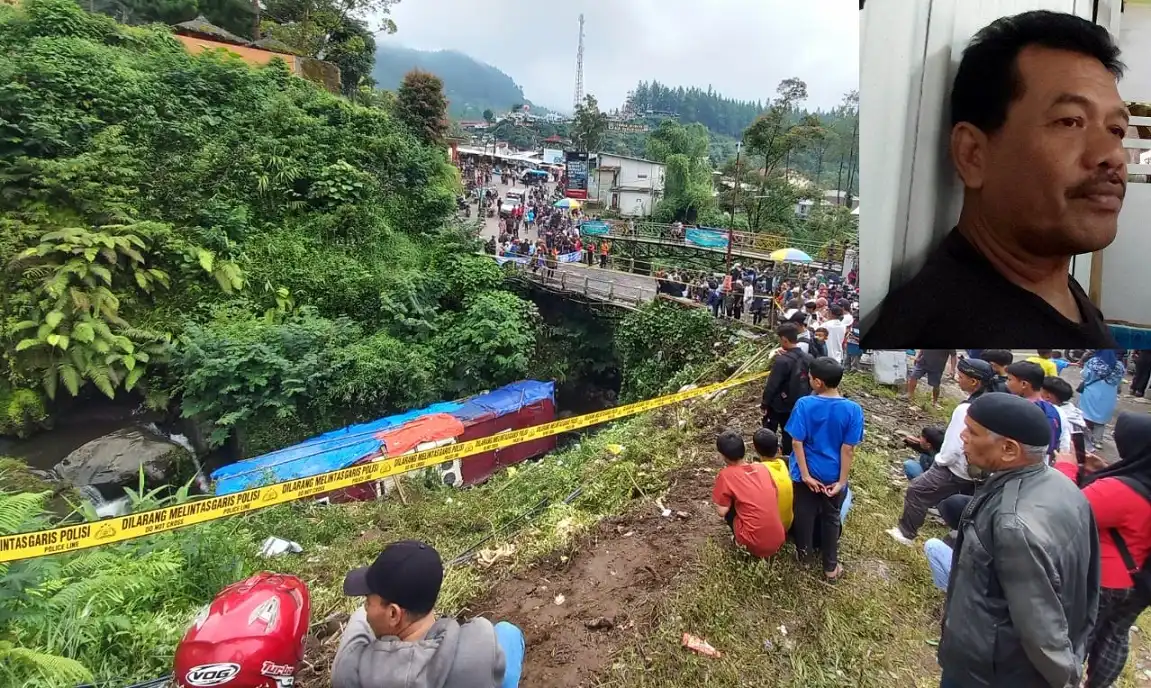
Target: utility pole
[256, 20]
[734, 204]
[579, 67]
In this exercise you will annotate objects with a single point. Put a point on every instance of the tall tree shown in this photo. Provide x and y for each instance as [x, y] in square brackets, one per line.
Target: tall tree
[683, 149]
[489, 116]
[422, 106]
[589, 125]
[334, 30]
[850, 143]
[773, 134]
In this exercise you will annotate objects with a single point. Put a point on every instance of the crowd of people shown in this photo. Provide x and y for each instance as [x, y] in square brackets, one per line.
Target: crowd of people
[1044, 567]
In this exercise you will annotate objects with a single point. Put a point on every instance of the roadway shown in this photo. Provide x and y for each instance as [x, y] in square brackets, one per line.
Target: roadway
[629, 284]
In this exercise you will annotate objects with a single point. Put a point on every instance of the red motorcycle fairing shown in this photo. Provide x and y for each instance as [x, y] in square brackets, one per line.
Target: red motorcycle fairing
[252, 635]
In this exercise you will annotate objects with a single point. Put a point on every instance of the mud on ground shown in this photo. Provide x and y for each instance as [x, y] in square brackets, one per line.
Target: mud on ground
[576, 610]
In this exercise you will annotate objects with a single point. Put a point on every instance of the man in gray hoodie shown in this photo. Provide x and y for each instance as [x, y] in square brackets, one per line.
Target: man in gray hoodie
[395, 641]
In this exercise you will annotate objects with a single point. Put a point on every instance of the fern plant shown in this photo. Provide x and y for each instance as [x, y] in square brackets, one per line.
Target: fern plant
[73, 332]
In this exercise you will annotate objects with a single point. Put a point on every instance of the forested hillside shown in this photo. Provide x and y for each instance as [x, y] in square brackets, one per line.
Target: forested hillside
[471, 86]
[719, 114]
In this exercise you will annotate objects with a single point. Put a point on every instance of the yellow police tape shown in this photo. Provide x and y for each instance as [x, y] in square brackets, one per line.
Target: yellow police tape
[72, 538]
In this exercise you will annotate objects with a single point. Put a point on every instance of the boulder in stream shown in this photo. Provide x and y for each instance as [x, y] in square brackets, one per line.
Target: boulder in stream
[115, 459]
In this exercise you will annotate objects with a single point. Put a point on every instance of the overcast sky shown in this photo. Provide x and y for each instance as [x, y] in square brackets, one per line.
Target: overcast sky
[742, 48]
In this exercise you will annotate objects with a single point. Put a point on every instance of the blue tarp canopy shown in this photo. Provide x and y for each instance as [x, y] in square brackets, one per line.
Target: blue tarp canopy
[341, 448]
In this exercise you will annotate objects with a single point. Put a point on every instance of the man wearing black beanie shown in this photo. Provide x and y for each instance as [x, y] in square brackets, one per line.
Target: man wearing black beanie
[1024, 587]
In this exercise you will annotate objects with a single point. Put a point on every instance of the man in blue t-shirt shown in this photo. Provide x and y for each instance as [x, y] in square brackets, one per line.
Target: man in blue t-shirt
[825, 429]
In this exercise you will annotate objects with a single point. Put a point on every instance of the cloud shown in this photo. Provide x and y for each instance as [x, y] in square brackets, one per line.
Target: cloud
[741, 48]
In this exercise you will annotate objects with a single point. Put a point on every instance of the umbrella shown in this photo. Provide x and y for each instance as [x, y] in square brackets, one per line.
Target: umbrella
[572, 204]
[790, 255]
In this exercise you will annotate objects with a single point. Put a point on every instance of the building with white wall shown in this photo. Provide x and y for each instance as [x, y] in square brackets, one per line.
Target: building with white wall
[909, 52]
[626, 185]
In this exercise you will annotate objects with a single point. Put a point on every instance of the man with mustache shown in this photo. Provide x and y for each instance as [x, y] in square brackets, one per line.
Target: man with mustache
[1037, 129]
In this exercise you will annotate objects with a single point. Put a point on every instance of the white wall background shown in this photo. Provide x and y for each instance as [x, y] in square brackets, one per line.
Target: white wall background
[909, 192]
[1127, 262]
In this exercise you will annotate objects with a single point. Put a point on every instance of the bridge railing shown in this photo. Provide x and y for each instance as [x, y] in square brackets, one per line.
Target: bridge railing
[715, 238]
[588, 285]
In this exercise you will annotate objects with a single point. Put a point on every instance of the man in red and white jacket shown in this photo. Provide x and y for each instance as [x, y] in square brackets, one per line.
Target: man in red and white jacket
[1120, 498]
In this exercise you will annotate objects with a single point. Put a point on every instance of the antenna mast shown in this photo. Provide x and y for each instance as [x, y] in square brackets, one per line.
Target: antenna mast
[579, 67]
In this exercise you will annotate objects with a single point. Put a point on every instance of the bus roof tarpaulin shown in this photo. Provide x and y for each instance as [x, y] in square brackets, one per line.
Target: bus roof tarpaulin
[430, 428]
[341, 448]
[505, 400]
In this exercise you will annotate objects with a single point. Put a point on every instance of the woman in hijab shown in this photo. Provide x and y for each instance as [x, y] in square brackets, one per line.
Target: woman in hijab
[1120, 498]
[1098, 393]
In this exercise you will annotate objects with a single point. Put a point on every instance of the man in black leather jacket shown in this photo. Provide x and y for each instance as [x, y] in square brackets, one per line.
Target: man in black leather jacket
[1024, 588]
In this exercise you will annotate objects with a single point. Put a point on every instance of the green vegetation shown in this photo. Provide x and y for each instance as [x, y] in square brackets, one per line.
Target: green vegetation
[470, 86]
[116, 613]
[161, 209]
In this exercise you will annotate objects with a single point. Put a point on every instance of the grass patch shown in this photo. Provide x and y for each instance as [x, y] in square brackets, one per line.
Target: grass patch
[779, 624]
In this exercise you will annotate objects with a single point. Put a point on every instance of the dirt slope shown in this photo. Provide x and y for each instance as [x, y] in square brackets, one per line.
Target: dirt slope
[610, 586]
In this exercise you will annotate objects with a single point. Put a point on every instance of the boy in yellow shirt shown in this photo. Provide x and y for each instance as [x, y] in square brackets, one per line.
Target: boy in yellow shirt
[766, 445]
[1045, 362]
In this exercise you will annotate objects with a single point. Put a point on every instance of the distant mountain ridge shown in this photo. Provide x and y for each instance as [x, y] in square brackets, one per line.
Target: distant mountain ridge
[470, 85]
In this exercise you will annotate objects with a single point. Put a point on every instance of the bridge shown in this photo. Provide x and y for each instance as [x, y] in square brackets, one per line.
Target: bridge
[652, 243]
[608, 286]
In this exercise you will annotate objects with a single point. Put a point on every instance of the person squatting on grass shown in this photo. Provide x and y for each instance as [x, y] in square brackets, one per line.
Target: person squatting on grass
[929, 443]
[825, 429]
[745, 496]
[766, 445]
[949, 475]
[1024, 585]
[395, 641]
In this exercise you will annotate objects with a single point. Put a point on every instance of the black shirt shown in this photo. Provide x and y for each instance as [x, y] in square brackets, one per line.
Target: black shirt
[959, 300]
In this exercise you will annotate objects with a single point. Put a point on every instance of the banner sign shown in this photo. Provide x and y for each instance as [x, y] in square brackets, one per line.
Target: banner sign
[594, 228]
[553, 157]
[628, 127]
[577, 171]
[119, 529]
[524, 260]
[708, 238]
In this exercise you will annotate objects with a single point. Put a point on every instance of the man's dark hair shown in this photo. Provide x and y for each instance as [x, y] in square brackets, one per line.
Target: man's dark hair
[836, 310]
[988, 80]
[730, 445]
[799, 319]
[1043, 353]
[788, 331]
[1059, 388]
[827, 370]
[1029, 372]
[934, 436]
[766, 442]
[1001, 357]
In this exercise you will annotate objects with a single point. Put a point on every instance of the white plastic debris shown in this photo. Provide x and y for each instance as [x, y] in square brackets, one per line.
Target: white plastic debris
[783, 630]
[560, 599]
[274, 546]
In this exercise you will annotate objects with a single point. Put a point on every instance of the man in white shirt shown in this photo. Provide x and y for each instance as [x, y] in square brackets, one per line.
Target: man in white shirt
[949, 475]
[836, 334]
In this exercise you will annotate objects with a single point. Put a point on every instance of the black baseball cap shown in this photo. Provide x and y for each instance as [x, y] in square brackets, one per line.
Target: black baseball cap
[408, 573]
